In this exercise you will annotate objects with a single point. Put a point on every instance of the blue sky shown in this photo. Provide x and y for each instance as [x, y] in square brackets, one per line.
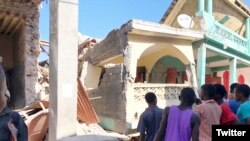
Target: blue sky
[98, 17]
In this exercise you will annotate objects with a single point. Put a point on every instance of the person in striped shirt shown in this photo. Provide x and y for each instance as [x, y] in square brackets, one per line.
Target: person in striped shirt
[209, 112]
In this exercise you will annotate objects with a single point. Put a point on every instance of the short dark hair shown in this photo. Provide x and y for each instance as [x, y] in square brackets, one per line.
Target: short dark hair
[188, 95]
[209, 89]
[233, 86]
[220, 90]
[244, 89]
[150, 97]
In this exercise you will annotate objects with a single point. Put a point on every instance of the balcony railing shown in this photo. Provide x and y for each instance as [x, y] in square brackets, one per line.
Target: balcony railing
[228, 38]
[168, 94]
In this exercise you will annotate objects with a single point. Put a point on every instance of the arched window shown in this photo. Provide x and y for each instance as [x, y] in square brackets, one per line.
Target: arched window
[241, 79]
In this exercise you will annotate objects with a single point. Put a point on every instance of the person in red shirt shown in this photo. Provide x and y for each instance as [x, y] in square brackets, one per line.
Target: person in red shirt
[227, 116]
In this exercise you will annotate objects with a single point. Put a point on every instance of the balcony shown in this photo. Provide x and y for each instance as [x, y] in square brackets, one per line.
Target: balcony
[167, 95]
[166, 92]
[228, 38]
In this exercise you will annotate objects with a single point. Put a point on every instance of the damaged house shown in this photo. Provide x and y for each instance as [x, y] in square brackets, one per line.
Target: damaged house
[139, 57]
[19, 48]
[165, 57]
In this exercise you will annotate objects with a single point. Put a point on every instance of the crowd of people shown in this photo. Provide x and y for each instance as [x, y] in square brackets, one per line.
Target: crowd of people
[193, 118]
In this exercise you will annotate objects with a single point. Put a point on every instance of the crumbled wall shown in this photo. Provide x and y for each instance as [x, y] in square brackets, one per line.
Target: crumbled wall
[30, 14]
[109, 98]
[32, 51]
[111, 46]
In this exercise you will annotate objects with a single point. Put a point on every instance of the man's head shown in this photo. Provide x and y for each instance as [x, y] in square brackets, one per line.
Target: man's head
[3, 88]
[242, 92]
[220, 93]
[188, 96]
[207, 92]
[232, 90]
[150, 98]
[232, 87]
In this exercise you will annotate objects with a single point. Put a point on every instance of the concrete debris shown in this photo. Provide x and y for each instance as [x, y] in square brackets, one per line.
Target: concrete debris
[84, 129]
[94, 130]
[43, 84]
[83, 48]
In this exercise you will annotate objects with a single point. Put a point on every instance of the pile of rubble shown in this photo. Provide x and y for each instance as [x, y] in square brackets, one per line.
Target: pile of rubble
[43, 83]
[95, 129]
[83, 129]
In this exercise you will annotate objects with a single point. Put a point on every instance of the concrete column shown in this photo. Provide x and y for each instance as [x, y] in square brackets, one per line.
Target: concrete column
[201, 4]
[130, 63]
[147, 76]
[209, 6]
[191, 74]
[247, 34]
[201, 65]
[233, 71]
[248, 28]
[63, 68]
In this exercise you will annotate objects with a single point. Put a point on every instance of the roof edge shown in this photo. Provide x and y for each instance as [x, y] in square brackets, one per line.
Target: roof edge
[237, 3]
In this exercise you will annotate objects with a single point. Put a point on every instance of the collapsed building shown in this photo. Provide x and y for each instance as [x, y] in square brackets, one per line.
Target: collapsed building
[165, 57]
[139, 57]
[19, 49]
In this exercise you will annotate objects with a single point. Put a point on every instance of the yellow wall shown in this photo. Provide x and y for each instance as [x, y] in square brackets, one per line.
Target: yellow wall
[147, 54]
[90, 75]
[114, 60]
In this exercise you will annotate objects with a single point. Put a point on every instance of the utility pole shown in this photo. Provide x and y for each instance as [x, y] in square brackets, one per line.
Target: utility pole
[63, 68]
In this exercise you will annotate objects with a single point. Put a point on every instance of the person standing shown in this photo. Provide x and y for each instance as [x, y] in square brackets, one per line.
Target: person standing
[150, 119]
[233, 104]
[12, 126]
[227, 116]
[209, 112]
[180, 123]
[242, 95]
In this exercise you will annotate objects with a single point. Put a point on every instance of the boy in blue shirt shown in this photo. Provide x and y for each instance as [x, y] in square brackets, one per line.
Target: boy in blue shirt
[232, 103]
[242, 95]
[150, 119]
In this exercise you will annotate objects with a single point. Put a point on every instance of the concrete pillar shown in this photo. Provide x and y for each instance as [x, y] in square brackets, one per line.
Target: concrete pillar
[233, 71]
[130, 63]
[247, 34]
[209, 6]
[147, 76]
[63, 69]
[191, 74]
[248, 28]
[201, 65]
[201, 4]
